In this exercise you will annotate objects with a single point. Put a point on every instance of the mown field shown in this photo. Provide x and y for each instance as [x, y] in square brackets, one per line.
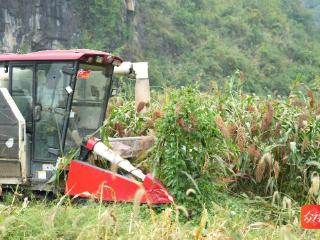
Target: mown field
[240, 166]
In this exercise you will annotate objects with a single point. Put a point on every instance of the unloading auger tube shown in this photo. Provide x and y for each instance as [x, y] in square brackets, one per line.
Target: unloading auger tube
[97, 147]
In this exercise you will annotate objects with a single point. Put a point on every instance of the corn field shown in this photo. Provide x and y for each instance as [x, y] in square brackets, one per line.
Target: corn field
[261, 146]
[239, 166]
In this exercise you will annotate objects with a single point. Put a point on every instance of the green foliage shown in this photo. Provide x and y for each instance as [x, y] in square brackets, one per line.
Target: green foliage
[101, 25]
[272, 142]
[185, 41]
[256, 144]
[261, 146]
[270, 41]
[187, 142]
[124, 121]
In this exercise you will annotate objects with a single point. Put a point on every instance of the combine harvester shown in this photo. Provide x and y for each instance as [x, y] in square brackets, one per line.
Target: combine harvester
[50, 102]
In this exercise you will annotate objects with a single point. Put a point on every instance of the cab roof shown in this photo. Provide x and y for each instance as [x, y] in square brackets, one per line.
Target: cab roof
[54, 55]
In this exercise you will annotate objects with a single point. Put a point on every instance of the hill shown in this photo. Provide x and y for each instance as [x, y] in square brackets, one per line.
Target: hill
[271, 43]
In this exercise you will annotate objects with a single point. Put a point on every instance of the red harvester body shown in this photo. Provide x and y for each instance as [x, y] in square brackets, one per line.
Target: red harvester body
[52, 102]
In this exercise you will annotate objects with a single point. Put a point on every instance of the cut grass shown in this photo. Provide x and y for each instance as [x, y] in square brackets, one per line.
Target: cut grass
[234, 217]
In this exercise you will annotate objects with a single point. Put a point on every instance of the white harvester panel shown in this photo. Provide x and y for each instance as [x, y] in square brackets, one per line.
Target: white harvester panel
[12, 141]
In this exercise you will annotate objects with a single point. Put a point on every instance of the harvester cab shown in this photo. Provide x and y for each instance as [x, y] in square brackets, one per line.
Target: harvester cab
[51, 102]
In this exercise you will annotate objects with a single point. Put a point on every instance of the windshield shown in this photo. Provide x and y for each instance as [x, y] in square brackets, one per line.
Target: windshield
[89, 105]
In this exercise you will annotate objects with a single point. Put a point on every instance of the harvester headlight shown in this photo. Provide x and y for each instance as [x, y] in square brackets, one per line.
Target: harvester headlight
[116, 63]
[90, 60]
[109, 59]
[99, 59]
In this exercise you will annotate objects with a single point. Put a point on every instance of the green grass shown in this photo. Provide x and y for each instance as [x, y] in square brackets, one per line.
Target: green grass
[232, 217]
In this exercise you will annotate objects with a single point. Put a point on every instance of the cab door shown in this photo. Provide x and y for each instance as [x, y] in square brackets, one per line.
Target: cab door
[21, 87]
[39, 91]
[50, 116]
[50, 109]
